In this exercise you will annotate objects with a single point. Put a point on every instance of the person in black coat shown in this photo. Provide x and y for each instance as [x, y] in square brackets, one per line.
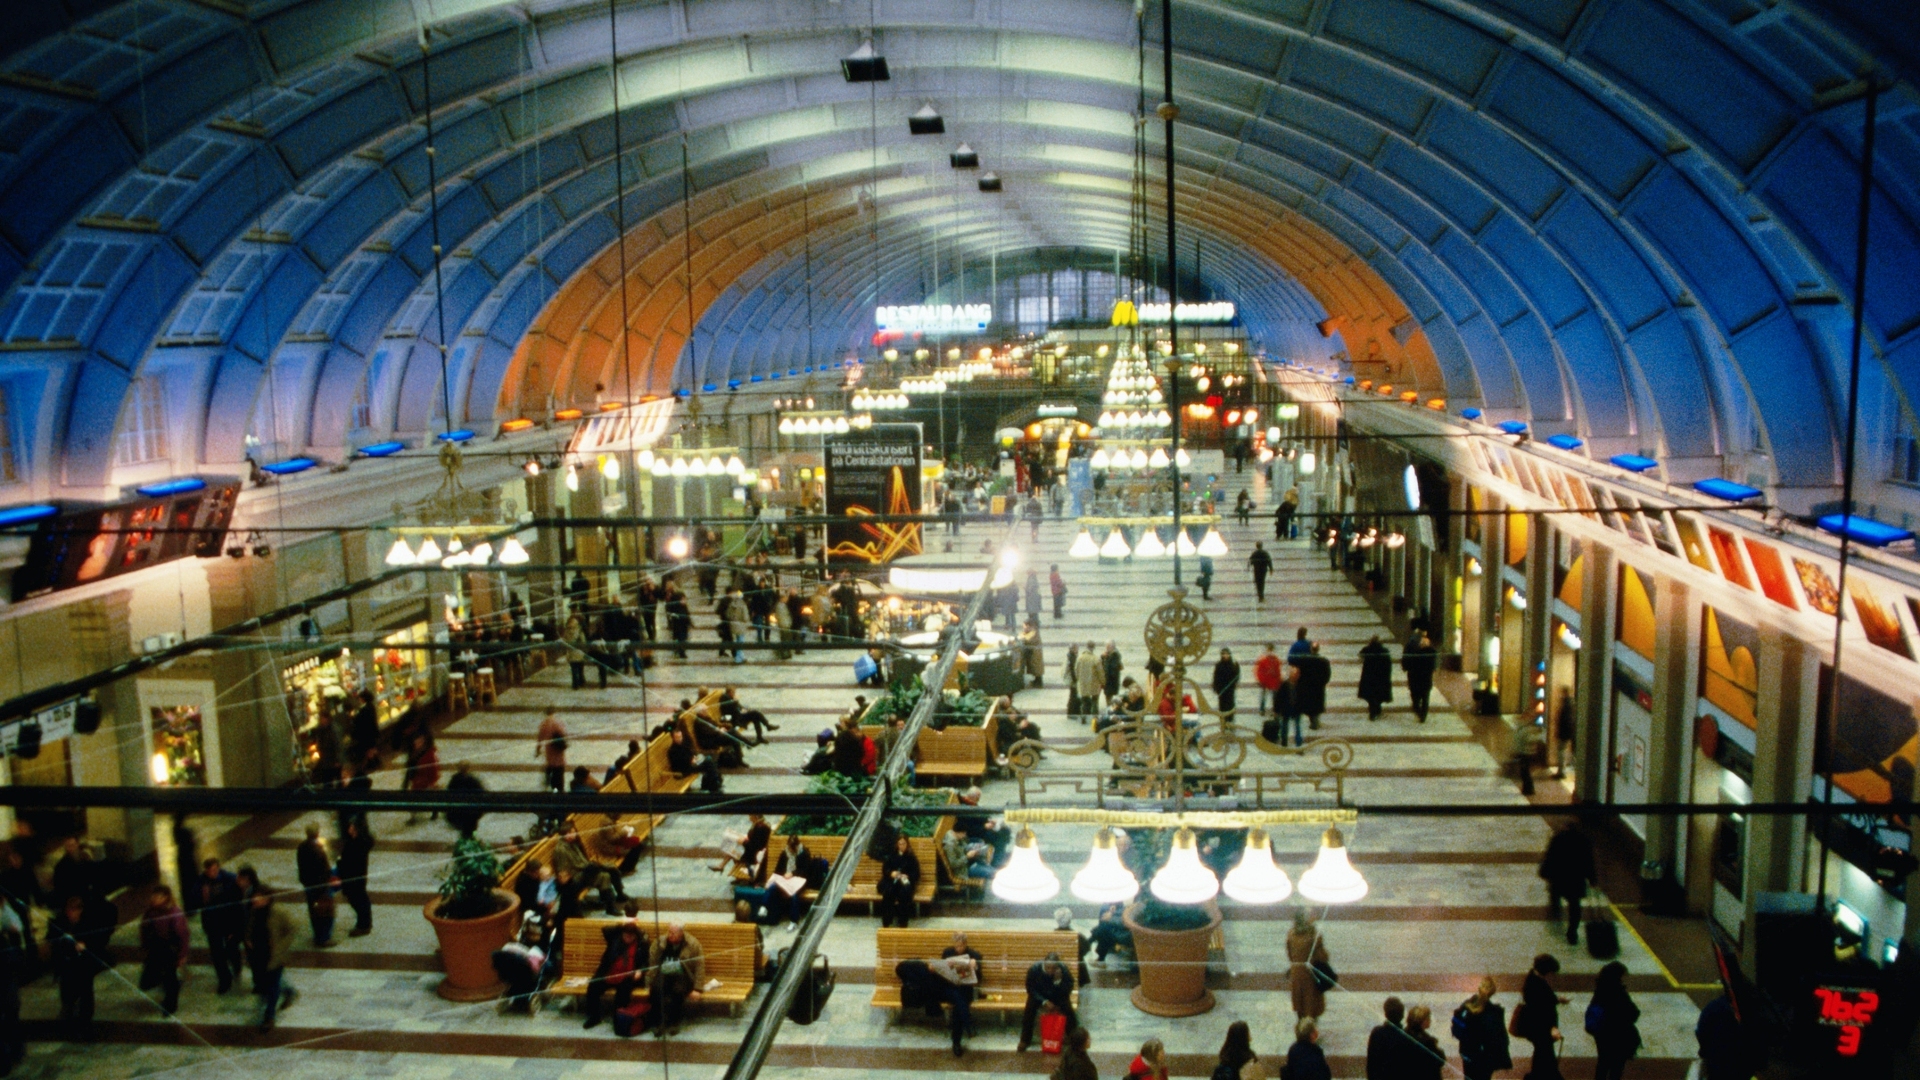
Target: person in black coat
[622, 968]
[849, 751]
[1305, 1059]
[1418, 660]
[1480, 1026]
[1567, 868]
[1613, 1021]
[1226, 683]
[683, 759]
[899, 877]
[464, 822]
[223, 919]
[1376, 676]
[1539, 1020]
[356, 850]
[366, 726]
[1310, 693]
[1261, 564]
[1048, 983]
[679, 620]
[1387, 1043]
[316, 879]
[81, 934]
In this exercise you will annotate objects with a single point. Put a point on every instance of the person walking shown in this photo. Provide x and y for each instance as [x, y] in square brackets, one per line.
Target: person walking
[1564, 725]
[1480, 1027]
[1425, 1059]
[1075, 1064]
[1033, 657]
[1567, 868]
[1311, 972]
[1614, 1022]
[575, 635]
[1261, 564]
[422, 771]
[1418, 660]
[1286, 710]
[1226, 683]
[550, 745]
[1305, 1059]
[81, 935]
[356, 850]
[269, 944]
[1376, 676]
[315, 868]
[1089, 678]
[1310, 693]
[1204, 579]
[1033, 593]
[1069, 674]
[1057, 586]
[679, 620]
[1387, 1056]
[1283, 514]
[1267, 672]
[1726, 1050]
[1539, 1019]
[1301, 646]
[1243, 507]
[1049, 983]
[163, 934]
[223, 919]
[1110, 668]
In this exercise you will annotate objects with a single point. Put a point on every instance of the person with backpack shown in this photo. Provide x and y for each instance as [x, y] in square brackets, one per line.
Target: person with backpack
[1613, 1021]
[1305, 1059]
[1480, 1027]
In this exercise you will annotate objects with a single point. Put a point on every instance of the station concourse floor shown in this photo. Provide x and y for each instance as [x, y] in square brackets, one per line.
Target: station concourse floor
[1451, 899]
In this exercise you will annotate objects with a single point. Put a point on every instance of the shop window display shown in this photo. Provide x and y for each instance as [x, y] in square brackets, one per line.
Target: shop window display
[179, 750]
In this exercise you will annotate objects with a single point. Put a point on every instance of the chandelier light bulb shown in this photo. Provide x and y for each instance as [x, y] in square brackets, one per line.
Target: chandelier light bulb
[786, 425]
[679, 469]
[1308, 462]
[1100, 460]
[400, 554]
[1025, 879]
[512, 554]
[735, 466]
[1184, 545]
[573, 479]
[1083, 546]
[1182, 458]
[454, 545]
[1332, 879]
[841, 426]
[677, 547]
[610, 467]
[697, 467]
[1212, 545]
[1185, 880]
[1105, 879]
[661, 467]
[429, 552]
[1116, 546]
[716, 467]
[1139, 459]
[1106, 419]
[482, 553]
[1150, 546]
[1159, 459]
[1256, 879]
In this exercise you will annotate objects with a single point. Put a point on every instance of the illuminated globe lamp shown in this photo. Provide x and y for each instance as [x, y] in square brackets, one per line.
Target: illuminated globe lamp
[1105, 879]
[1256, 879]
[1332, 879]
[1184, 879]
[1025, 879]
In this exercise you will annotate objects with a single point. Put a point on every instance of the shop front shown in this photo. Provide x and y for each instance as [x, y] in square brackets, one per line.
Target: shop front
[181, 716]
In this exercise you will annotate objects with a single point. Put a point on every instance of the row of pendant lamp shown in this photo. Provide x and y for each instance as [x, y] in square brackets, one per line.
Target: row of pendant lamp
[457, 554]
[1138, 459]
[1255, 879]
[822, 425]
[1123, 419]
[885, 399]
[1149, 547]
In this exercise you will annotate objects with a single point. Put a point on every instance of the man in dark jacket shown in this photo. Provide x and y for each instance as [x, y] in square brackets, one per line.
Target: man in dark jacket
[1418, 660]
[223, 918]
[1050, 983]
[1310, 693]
[1387, 1045]
[355, 851]
[1261, 564]
[1567, 868]
[81, 935]
[316, 877]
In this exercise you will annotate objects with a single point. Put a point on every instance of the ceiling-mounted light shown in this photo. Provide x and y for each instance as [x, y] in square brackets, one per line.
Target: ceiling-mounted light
[481, 553]
[1100, 460]
[1025, 879]
[661, 467]
[610, 467]
[454, 546]
[1185, 879]
[1255, 879]
[1139, 459]
[1116, 546]
[679, 469]
[926, 121]
[1150, 546]
[1105, 879]
[1159, 459]
[964, 158]
[512, 553]
[1273, 434]
[644, 461]
[1308, 462]
[990, 181]
[1181, 457]
[1332, 879]
[677, 547]
[865, 65]
[786, 425]
[1083, 546]
[400, 554]
[716, 467]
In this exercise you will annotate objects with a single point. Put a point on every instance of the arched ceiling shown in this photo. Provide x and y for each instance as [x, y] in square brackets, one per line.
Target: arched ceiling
[1627, 219]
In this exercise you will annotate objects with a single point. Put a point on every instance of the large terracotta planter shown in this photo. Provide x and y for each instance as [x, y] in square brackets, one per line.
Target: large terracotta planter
[1173, 966]
[467, 947]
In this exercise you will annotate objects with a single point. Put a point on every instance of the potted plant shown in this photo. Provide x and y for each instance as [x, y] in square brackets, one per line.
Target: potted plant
[471, 917]
[1172, 942]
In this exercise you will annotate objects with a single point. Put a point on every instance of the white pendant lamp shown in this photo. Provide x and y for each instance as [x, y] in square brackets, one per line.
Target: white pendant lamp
[1100, 460]
[1212, 545]
[1105, 879]
[643, 461]
[1025, 879]
[1308, 462]
[610, 467]
[1273, 434]
[573, 479]
[1332, 879]
[786, 425]
[716, 467]
[1184, 545]
[661, 467]
[1106, 419]
[1184, 880]
[454, 545]
[482, 554]
[1182, 458]
[1116, 546]
[841, 425]
[679, 468]
[697, 467]
[1083, 546]
[1139, 459]
[1150, 546]
[1159, 459]
[512, 554]
[735, 466]
[429, 552]
[1256, 879]
[400, 554]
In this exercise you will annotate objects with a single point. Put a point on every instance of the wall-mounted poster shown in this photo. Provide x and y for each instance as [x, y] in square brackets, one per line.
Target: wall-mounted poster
[1728, 553]
[1636, 611]
[1729, 675]
[1880, 622]
[1573, 583]
[1872, 754]
[873, 472]
[1820, 589]
[1772, 574]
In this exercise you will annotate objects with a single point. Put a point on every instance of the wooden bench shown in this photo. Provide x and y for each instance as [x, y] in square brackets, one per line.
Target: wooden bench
[865, 886]
[647, 772]
[732, 953]
[957, 751]
[1005, 956]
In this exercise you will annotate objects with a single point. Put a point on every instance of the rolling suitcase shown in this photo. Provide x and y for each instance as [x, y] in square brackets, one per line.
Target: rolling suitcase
[1603, 939]
[811, 998]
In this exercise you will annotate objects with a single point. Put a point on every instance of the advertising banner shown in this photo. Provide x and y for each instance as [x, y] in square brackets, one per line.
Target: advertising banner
[873, 472]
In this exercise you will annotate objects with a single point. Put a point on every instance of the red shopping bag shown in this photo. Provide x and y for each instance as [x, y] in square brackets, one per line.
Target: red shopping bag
[1053, 1032]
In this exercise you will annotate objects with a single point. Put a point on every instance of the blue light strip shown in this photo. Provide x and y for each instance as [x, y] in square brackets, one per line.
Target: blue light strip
[1565, 442]
[381, 449]
[26, 515]
[1864, 530]
[1633, 462]
[461, 435]
[289, 466]
[1471, 414]
[177, 486]
[1725, 489]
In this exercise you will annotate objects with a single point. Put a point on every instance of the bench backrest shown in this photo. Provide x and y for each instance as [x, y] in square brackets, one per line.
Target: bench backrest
[866, 876]
[731, 951]
[954, 746]
[1005, 955]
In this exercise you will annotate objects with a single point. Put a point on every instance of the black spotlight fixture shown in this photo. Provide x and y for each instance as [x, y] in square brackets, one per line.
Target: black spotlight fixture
[989, 181]
[865, 65]
[27, 742]
[964, 158]
[86, 716]
[926, 122]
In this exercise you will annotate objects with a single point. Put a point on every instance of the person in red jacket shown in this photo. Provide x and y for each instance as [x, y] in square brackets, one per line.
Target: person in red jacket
[869, 754]
[1267, 672]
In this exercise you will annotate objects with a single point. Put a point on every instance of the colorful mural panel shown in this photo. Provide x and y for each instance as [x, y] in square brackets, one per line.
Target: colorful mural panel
[1636, 611]
[1880, 622]
[1772, 574]
[1727, 550]
[1821, 592]
[1729, 675]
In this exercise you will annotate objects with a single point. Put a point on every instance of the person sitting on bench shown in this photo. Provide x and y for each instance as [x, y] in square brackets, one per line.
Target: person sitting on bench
[684, 760]
[622, 968]
[1048, 983]
[679, 973]
[792, 874]
[523, 965]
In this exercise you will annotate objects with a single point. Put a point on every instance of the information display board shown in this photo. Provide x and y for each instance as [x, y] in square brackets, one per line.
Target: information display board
[84, 544]
[873, 472]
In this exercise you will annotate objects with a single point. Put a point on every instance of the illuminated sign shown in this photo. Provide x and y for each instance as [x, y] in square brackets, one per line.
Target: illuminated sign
[1849, 1011]
[1058, 410]
[1218, 311]
[933, 318]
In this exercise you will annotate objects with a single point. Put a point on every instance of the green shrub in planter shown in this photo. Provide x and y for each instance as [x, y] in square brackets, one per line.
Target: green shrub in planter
[466, 889]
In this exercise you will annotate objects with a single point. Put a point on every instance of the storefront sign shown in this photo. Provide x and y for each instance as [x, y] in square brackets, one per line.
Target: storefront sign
[873, 472]
[1217, 311]
[1057, 410]
[85, 544]
[56, 723]
[933, 318]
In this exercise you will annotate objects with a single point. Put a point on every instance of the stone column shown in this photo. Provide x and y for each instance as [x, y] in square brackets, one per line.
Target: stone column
[544, 586]
[1592, 692]
[1493, 556]
[1538, 633]
[1789, 688]
[1676, 615]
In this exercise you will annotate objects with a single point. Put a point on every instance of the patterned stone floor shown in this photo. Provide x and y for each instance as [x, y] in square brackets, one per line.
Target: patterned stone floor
[1451, 899]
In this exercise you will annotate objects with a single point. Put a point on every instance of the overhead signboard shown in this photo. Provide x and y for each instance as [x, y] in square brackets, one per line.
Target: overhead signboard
[1048, 410]
[1216, 311]
[85, 544]
[933, 318]
[873, 472]
[55, 722]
